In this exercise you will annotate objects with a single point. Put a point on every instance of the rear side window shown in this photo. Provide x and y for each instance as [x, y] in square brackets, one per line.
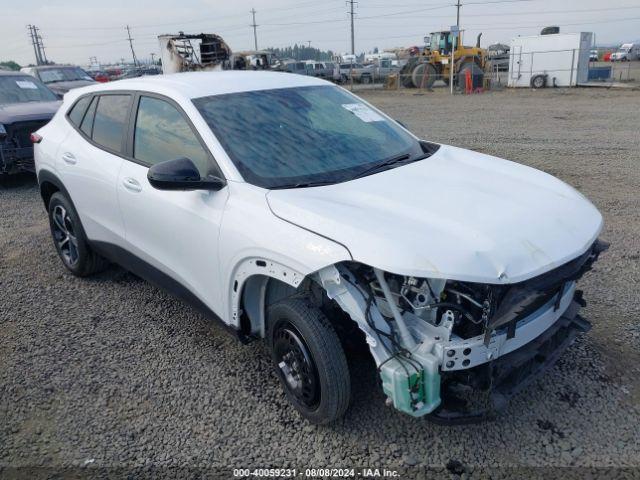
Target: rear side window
[110, 121]
[87, 122]
[77, 111]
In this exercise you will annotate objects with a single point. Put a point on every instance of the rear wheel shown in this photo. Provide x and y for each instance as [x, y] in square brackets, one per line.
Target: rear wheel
[309, 360]
[69, 238]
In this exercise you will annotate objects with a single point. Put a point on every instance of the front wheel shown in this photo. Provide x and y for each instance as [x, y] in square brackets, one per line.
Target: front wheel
[309, 360]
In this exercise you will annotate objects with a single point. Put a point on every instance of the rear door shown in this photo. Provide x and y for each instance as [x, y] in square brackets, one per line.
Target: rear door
[90, 159]
[175, 232]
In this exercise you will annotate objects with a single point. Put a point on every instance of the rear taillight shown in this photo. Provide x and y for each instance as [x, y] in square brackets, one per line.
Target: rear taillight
[35, 138]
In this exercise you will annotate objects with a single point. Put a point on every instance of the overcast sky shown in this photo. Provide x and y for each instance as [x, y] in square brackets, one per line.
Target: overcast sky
[74, 30]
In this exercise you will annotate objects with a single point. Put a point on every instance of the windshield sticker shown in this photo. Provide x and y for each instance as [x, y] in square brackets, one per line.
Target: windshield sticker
[26, 84]
[363, 112]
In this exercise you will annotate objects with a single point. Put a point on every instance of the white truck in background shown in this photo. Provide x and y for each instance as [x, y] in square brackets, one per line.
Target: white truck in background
[626, 53]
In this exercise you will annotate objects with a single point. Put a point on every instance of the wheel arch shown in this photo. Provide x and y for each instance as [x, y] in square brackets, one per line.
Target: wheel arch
[256, 282]
[49, 184]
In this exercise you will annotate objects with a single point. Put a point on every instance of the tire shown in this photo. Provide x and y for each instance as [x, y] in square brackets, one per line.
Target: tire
[423, 75]
[365, 79]
[309, 360]
[476, 72]
[538, 81]
[70, 240]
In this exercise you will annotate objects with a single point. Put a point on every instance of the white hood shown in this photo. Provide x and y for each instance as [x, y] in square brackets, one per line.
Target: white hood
[457, 215]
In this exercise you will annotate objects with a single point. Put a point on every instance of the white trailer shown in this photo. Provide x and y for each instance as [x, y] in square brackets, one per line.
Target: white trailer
[560, 59]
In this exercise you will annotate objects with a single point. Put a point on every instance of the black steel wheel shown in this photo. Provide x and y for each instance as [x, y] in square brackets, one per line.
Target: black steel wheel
[69, 238]
[296, 366]
[309, 360]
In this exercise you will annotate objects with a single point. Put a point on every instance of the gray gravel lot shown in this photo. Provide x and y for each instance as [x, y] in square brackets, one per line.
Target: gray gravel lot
[112, 372]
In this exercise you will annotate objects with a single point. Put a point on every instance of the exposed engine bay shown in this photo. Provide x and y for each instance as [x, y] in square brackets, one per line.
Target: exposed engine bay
[457, 350]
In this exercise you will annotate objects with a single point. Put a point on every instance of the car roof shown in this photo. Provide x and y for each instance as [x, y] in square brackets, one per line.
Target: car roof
[52, 67]
[203, 84]
[4, 73]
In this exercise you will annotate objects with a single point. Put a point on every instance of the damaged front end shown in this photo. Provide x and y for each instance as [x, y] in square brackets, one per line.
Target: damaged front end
[456, 351]
[16, 149]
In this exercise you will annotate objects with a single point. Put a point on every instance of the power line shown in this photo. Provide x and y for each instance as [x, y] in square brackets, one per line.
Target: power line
[255, 34]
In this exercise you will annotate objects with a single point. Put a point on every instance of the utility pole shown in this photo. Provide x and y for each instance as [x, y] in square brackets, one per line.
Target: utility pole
[458, 5]
[351, 13]
[34, 42]
[43, 55]
[255, 34]
[135, 60]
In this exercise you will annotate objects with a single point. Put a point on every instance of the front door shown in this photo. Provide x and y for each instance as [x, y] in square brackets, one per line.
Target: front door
[176, 232]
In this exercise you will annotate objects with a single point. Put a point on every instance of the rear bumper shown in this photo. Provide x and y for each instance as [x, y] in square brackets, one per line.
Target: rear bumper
[481, 392]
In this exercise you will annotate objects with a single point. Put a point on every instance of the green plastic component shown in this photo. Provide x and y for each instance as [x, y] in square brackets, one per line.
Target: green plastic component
[417, 393]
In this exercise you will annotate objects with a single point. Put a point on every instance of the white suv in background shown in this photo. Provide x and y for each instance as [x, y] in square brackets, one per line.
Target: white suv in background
[291, 210]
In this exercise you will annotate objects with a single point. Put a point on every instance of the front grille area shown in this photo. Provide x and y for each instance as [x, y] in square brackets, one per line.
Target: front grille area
[520, 300]
[16, 152]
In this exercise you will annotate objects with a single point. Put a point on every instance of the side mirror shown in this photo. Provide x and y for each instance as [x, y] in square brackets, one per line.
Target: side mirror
[181, 174]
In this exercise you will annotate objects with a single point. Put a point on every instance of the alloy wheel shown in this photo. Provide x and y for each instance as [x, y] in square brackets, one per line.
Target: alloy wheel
[64, 236]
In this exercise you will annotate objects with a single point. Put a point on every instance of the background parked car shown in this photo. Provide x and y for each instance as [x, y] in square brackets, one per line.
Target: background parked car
[99, 76]
[60, 78]
[320, 69]
[25, 106]
[359, 72]
[379, 70]
[626, 53]
[296, 67]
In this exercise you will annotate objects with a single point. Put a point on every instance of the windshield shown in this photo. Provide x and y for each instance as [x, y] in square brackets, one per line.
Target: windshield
[22, 89]
[320, 134]
[65, 74]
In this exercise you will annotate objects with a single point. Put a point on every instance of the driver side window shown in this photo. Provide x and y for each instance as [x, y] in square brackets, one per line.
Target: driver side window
[162, 133]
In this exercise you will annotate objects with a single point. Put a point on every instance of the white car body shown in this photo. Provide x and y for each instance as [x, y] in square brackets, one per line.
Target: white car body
[458, 215]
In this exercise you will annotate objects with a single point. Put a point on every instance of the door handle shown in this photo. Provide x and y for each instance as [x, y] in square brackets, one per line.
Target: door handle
[132, 185]
[69, 158]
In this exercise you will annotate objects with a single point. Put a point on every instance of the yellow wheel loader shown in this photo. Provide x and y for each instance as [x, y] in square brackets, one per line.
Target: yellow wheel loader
[434, 62]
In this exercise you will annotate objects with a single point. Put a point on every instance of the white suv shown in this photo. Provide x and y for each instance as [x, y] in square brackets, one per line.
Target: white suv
[291, 210]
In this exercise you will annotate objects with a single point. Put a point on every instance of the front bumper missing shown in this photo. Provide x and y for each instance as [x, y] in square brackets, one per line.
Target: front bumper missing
[459, 354]
[495, 382]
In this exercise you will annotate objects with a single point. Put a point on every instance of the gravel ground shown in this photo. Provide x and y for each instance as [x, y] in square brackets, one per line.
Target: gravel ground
[111, 372]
